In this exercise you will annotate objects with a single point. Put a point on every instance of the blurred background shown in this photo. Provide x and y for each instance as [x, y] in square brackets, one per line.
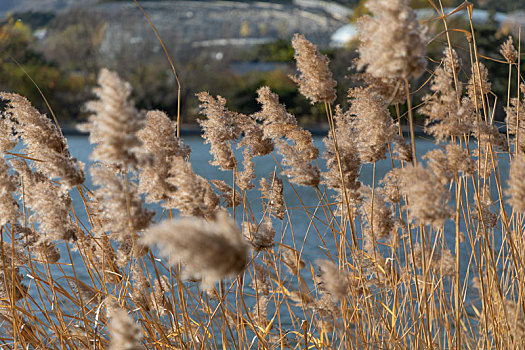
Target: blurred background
[228, 48]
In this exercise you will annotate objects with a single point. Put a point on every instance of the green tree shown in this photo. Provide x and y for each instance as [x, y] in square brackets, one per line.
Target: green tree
[65, 91]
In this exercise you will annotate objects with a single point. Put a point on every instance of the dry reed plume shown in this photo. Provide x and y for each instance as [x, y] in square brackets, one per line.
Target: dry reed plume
[393, 42]
[427, 256]
[208, 251]
[315, 78]
[114, 122]
[42, 140]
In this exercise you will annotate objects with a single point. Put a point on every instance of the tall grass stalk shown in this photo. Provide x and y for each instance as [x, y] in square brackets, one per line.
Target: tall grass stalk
[430, 256]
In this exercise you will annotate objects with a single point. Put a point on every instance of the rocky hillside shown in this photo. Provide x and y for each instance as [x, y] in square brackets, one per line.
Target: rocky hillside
[17, 6]
[188, 27]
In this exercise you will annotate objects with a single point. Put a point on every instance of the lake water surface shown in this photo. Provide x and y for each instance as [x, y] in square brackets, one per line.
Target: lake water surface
[299, 230]
[299, 221]
[264, 167]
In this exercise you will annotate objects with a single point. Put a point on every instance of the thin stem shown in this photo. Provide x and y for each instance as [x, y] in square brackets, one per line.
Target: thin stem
[411, 123]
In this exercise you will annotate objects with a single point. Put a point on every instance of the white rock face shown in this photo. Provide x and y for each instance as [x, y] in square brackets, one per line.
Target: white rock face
[10, 6]
[191, 25]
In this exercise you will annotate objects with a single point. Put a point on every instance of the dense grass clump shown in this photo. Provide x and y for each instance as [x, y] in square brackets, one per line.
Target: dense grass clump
[429, 256]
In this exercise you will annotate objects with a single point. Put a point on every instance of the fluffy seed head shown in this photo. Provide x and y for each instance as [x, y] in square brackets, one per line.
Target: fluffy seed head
[333, 280]
[516, 189]
[49, 203]
[114, 122]
[221, 126]
[508, 50]
[515, 120]
[447, 117]
[392, 89]
[272, 191]
[372, 123]
[8, 185]
[8, 284]
[390, 189]
[299, 170]
[125, 333]
[247, 175]
[427, 198]
[292, 259]
[194, 195]
[209, 250]
[451, 163]
[483, 214]
[489, 134]
[158, 139]
[377, 214]
[278, 123]
[273, 114]
[227, 193]
[516, 320]
[392, 41]
[42, 140]
[261, 285]
[113, 196]
[260, 236]
[478, 85]
[315, 78]
[254, 138]
[402, 149]
[348, 156]
[8, 139]
[451, 62]
[122, 213]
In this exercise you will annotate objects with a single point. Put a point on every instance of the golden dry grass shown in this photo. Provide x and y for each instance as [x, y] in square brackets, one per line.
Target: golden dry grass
[391, 279]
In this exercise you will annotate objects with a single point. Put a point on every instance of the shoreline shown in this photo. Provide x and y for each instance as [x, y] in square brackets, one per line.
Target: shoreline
[191, 130]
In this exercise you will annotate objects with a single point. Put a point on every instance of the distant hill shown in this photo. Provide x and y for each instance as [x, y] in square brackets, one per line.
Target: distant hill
[491, 5]
[17, 6]
[187, 26]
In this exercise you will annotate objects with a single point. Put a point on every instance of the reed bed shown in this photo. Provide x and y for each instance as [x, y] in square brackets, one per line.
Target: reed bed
[212, 273]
